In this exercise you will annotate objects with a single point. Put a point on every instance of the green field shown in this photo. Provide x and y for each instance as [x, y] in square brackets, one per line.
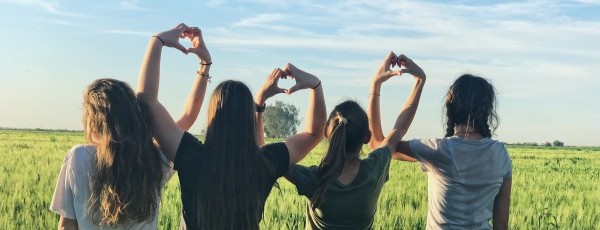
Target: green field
[553, 188]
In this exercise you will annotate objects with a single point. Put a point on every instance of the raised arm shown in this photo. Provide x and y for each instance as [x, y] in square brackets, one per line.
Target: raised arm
[196, 96]
[409, 109]
[502, 205]
[268, 90]
[168, 134]
[301, 144]
[383, 74]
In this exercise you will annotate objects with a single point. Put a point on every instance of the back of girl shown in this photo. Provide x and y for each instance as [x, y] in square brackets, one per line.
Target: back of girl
[469, 173]
[115, 181]
[226, 179]
[343, 190]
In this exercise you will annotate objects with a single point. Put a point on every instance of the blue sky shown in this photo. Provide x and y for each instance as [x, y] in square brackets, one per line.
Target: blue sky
[542, 56]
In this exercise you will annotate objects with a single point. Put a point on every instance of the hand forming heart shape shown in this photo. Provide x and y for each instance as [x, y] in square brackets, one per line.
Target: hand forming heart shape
[405, 64]
[271, 88]
[170, 38]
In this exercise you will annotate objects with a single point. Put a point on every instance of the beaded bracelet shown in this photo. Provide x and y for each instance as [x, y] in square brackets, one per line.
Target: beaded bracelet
[208, 77]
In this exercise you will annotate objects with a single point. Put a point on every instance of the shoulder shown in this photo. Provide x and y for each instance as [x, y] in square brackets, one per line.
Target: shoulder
[277, 153]
[308, 171]
[427, 145]
[382, 153]
[277, 147]
[304, 178]
[81, 153]
[188, 152]
[502, 152]
[80, 158]
[188, 142]
[276, 150]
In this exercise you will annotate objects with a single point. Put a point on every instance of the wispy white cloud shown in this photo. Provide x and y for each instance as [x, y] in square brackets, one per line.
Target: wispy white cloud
[132, 5]
[260, 20]
[592, 2]
[128, 32]
[47, 6]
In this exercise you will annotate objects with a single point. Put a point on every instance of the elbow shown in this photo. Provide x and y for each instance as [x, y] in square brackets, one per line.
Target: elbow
[317, 136]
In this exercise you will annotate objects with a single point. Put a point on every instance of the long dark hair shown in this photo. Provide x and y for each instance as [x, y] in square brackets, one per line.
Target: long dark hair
[127, 175]
[471, 101]
[346, 130]
[230, 195]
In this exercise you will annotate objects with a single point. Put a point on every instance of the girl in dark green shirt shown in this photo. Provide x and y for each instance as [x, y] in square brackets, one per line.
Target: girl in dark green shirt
[343, 190]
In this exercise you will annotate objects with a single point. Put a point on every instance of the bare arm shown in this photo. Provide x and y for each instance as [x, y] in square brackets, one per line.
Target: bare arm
[268, 90]
[67, 224]
[409, 109]
[260, 128]
[168, 134]
[196, 96]
[502, 205]
[301, 144]
[383, 74]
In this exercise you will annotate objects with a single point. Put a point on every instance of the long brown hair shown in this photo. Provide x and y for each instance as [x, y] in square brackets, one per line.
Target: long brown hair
[126, 176]
[471, 101]
[346, 130]
[230, 193]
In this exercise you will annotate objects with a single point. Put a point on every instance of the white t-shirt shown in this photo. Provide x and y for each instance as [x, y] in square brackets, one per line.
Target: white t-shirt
[464, 177]
[73, 189]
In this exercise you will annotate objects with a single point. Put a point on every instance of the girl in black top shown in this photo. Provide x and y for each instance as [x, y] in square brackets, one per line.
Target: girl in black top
[226, 180]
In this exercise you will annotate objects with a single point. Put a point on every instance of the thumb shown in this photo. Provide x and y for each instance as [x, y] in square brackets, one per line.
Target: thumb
[181, 48]
[294, 88]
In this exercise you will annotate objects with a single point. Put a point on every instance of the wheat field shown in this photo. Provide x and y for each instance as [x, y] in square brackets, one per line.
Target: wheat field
[553, 188]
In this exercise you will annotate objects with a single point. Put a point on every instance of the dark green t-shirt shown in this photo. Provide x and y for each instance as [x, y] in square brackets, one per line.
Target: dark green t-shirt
[349, 206]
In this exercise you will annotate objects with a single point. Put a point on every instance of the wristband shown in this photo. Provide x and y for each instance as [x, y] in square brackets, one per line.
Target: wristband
[210, 63]
[208, 77]
[317, 85]
[259, 108]
[161, 41]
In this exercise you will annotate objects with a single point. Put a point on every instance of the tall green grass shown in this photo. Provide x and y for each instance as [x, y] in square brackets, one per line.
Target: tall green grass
[553, 188]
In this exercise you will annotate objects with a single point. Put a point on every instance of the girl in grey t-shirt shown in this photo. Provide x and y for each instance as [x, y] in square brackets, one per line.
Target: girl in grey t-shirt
[469, 174]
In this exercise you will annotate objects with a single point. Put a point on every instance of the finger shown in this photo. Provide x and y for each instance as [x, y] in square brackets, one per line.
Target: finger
[404, 60]
[390, 73]
[276, 75]
[273, 73]
[181, 47]
[181, 27]
[290, 69]
[388, 59]
[293, 89]
[281, 74]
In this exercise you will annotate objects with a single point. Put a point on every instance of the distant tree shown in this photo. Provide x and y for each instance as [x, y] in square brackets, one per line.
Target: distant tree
[547, 144]
[558, 143]
[280, 120]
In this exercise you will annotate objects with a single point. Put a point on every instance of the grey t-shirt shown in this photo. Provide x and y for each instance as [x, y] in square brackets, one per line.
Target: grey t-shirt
[464, 177]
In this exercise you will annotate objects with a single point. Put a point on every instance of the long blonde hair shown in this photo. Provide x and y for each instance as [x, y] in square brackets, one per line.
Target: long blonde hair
[126, 176]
